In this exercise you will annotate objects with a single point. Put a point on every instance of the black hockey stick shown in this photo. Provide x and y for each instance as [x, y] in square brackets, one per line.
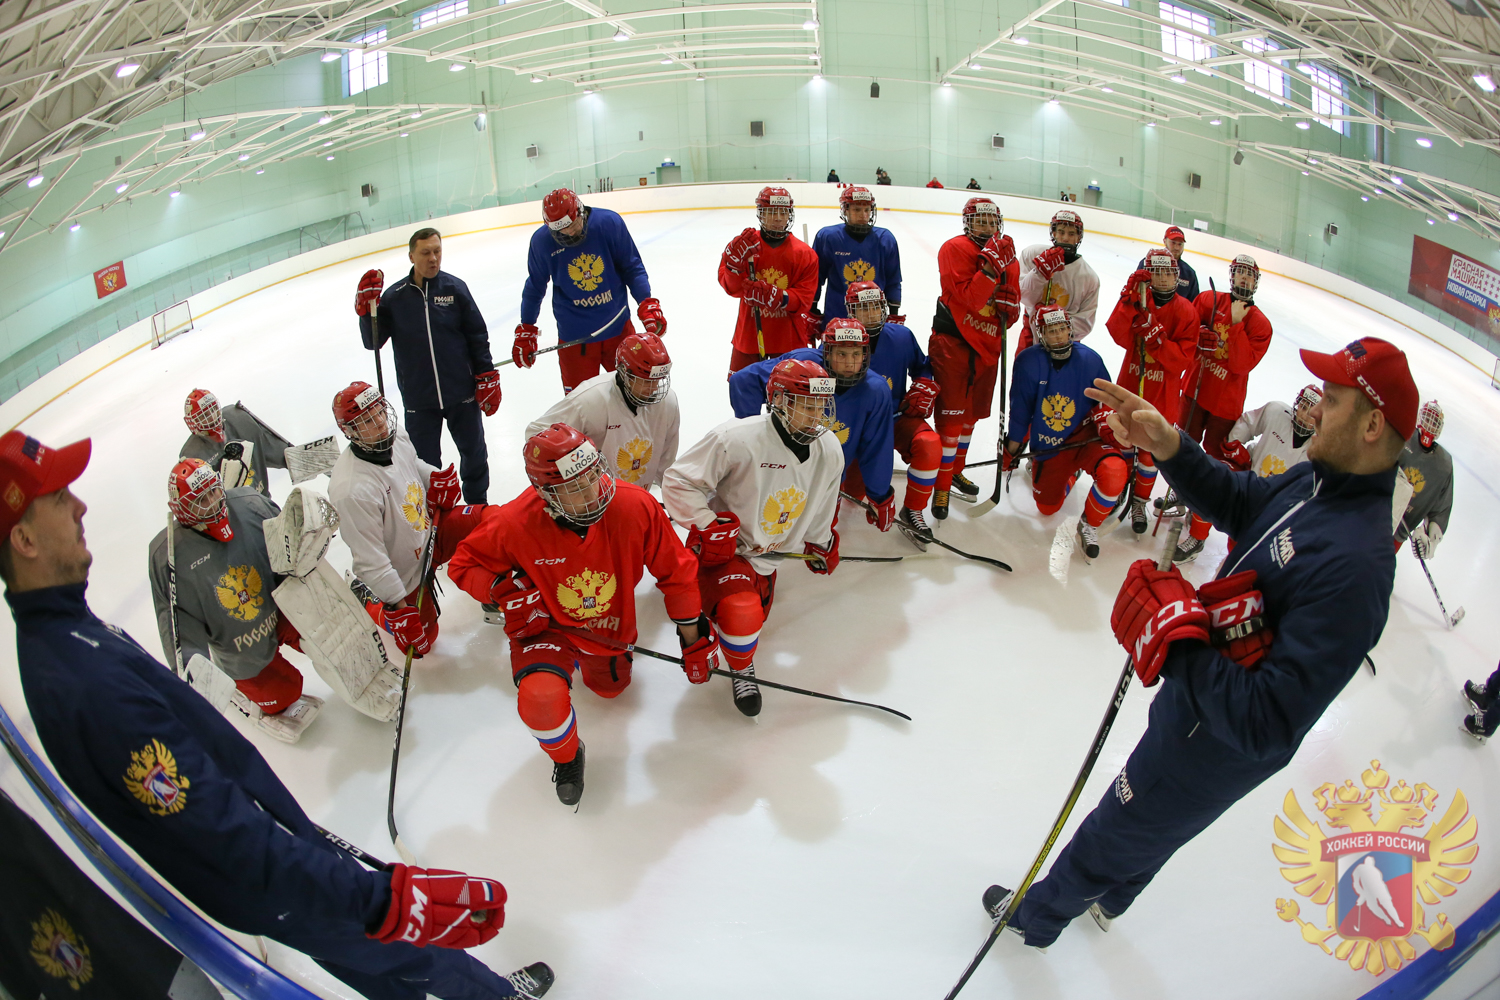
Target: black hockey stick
[732, 675]
[572, 343]
[985, 506]
[934, 539]
[842, 558]
[375, 339]
[354, 852]
[1163, 563]
[1448, 620]
[1032, 454]
[390, 800]
[760, 337]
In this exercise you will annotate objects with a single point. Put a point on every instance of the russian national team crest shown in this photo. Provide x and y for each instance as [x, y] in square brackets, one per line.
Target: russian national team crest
[60, 950]
[587, 271]
[859, 270]
[152, 778]
[414, 507]
[631, 460]
[1378, 869]
[1057, 411]
[587, 595]
[239, 590]
[781, 509]
[1415, 477]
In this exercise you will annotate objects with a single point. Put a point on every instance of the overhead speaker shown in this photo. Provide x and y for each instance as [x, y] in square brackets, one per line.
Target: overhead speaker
[997, 142]
[532, 152]
[758, 129]
[1195, 180]
[874, 89]
[1239, 157]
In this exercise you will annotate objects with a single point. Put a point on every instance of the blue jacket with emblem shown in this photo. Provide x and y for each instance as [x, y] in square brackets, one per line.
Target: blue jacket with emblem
[589, 280]
[897, 356]
[439, 338]
[863, 417]
[1046, 399]
[844, 258]
[174, 779]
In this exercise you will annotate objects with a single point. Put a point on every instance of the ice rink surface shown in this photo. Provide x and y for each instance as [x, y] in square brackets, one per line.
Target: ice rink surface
[820, 850]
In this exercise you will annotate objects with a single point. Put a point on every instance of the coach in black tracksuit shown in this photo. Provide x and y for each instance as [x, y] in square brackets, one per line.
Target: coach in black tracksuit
[442, 350]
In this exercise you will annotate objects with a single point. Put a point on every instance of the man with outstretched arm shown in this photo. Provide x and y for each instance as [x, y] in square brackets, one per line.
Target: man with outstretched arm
[1253, 659]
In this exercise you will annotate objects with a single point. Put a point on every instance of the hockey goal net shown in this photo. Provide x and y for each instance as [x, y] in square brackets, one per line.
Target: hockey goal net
[170, 322]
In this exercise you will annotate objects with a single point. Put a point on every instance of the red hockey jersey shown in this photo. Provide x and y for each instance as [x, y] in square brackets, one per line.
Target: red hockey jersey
[791, 266]
[1166, 364]
[1226, 375]
[966, 292]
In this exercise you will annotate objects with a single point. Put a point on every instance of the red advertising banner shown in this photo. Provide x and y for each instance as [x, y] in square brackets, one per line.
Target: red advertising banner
[109, 279]
[1459, 285]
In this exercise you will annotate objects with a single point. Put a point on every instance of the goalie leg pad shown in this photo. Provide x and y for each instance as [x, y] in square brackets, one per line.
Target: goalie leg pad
[298, 537]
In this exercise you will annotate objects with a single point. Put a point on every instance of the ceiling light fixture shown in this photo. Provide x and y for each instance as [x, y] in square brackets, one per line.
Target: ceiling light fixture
[817, 76]
[456, 68]
[197, 136]
[1424, 142]
[325, 119]
[121, 188]
[405, 134]
[1484, 82]
[328, 157]
[1397, 180]
[1107, 90]
[1178, 78]
[1364, 197]
[1432, 222]
[75, 227]
[1304, 126]
[700, 77]
[1021, 41]
[974, 64]
[1379, 191]
[415, 114]
[34, 180]
[1305, 173]
[622, 35]
[811, 24]
[947, 83]
[1452, 216]
[260, 171]
[1313, 160]
[1215, 121]
[1151, 124]
[667, 61]
[1054, 102]
[588, 90]
[329, 57]
[535, 78]
[244, 157]
[173, 194]
[327, 144]
[1304, 68]
[125, 69]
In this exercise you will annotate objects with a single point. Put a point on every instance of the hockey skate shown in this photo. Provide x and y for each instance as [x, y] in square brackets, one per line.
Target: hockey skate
[289, 724]
[914, 526]
[746, 693]
[1187, 550]
[996, 899]
[940, 504]
[1474, 726]
[1169, 506]
[1474, 692]
[1138, 515]
[532, 982]
[1101, 916]
[569, 780]
[492, 614]
[967, 489]
[1088, 538]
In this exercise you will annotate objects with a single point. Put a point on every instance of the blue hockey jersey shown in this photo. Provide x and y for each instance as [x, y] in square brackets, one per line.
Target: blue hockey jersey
[862, 417]
[589, 280]
[844, 259]
[898, 356]
[1046, 400]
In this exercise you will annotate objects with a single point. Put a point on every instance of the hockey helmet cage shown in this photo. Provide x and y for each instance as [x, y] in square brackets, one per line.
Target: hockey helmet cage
[365, 416]
[643, 367]
[195, 496]
[1429, 423]
[865, 302]
[844, 330]
[800, 396]
[1244, 277]
[1054, 331]
[200, 411]
[560, 209]
[568, 473]
[1310, 395]
[771, 202]
[1065, 216]
[980, 207]
[852, 196]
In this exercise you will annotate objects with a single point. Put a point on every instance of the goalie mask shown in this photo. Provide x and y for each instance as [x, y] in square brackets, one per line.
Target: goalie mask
[643, 369]
[1069, 241]
[1244, 278]
[846, 351]
[1055, 332]
[865, 303]
[800, 395]
[202, 415]
[560, 210]
[1309, 397]
[982, 219]
[365, 416]
[775, 212]
[851, 201]
[1429, 423]
[195, 496]
[567, 472]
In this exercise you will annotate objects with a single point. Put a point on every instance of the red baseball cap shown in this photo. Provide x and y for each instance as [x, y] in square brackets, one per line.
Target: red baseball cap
[1174, 233]
[29, 469]
[1378, 368]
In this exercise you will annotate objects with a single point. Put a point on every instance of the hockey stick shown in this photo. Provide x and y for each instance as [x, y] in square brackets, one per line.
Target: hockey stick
[809, 558]
[1163, 563]
[1449, 620]
[354, 852]
[933, 540]
[390, 800]
[1198, 386]
[760, 337]
[375, 336]
[1032, 454]
[731, 674]
[572, 343]
[984, 507]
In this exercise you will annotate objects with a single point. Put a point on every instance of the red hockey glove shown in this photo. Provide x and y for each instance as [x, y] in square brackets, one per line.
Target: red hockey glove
[1050, 261]
[920, 398]
[827, 559]
[523, 351]
[1132, 291]
[740, 254]
[1100, 417]
[448, 909]
[404, 623]
[1208, 341]
[1237, 617]
[716, 543]
[520, 601]
[368, 296]
[1236, 456]
[1007, 303]
[651, 317]
[999, 252]
[702, 656]
[812, 323]
[896, 317]
[882, 512]
[487, 392]
[1153, 610]
[1152, 333]
[1009, 459]
[760, 293]
[442, 490]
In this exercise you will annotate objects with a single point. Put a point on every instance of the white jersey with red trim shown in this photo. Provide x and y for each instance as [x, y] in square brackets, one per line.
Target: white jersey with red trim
[745, 467]
[1074, 288]
[383, 516]
[638, 442]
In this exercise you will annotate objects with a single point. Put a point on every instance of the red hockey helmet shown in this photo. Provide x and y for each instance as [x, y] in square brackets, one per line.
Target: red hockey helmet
[202, 415]
[1066, 217]
[1054, 331]
[1163, 268]
[567, 472]
[560, 210]
[1309, 397]
[982, 210]
[865, 302]
[195, 496]
[774, 204]
[852, 196]
[1429, 423]
[365, 416]
[643, 368]
[843, 332]
[800, 394]
[1244, 277]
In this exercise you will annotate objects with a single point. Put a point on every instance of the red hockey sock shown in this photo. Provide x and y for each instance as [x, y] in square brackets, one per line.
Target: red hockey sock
[949, 444]
[738, 619]
[1200, 528]
[547, 711]
[1145, 477]
[1109, 480]
[922, 467]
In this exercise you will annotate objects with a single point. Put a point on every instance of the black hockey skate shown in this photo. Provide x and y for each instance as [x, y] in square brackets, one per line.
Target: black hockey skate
[1187, 550]
[1474, 726]
[569, 780]
[967, 489]
[1138, 515]
[914, 526]
[996, 899]
[1088, 538]
[1475, 693]
[532, 982]
[940, 504]
[746, 693]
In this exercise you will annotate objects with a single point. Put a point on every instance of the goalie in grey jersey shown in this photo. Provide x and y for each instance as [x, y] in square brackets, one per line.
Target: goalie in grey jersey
[215, 430]
[1429, 468]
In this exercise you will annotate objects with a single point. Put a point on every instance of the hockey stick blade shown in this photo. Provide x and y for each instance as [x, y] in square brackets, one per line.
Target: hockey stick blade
[1457, 617]
[934, 540]
[1061, 556]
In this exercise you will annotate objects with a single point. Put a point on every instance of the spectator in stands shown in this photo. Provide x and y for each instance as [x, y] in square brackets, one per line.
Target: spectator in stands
[833, 175]
[973, 184]
[934, 183]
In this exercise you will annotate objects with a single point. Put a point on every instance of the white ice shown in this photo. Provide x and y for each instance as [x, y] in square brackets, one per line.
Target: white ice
[818, 851]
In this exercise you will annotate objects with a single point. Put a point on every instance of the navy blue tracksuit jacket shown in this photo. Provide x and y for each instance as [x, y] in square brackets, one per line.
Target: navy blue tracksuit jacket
[439, 339]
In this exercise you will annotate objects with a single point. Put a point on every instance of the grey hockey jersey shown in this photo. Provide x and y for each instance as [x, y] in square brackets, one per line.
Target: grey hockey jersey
[1431, 476]
[241, 425]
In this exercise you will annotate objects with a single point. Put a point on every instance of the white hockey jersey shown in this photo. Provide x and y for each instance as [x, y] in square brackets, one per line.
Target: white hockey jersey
[383, 516]
[744, 466]
[638, 443]
[1270, 428]
[1074, 288]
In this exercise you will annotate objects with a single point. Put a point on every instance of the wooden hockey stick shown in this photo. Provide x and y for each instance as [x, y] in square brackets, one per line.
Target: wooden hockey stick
[985, 506]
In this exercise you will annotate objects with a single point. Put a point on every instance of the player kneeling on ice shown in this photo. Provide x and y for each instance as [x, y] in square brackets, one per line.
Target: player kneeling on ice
[211, 582]
[178, 784]
[393, 508]
[562, 561]
[1429, 468]
[1068, 433]
[233, 433]
[630, 414]
[755, 488]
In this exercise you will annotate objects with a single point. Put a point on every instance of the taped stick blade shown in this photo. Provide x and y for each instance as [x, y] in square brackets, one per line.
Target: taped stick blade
[1061, 556]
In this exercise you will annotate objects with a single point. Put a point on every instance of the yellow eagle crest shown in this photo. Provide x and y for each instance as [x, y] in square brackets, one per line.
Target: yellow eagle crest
[859, 270]
[631, 460]
[1057, 411]
[414, 507]
[587, 271]
[783, 507]
[238, 591]
[1415, 477]
[59, 949]
[840, 430]
[771, 276]
[1271, 466]
[587, 595]
[153, 779]
[1368, 877]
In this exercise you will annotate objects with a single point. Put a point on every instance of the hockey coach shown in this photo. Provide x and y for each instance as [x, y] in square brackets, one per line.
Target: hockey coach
[1252, 659]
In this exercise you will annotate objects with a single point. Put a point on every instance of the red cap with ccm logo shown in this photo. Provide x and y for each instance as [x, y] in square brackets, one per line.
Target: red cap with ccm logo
[29, 469]
[1174, 233]
[1378, 368]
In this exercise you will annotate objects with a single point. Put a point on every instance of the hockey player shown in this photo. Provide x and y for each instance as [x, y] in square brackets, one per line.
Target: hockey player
[589, 256]
[1272, 438]
[1056, 275]
[1068, 434]
[752, 489]
[858, 250]
[630, 414]
[896, 356]
[214, 429]
[775, 277]
[224, 613]
[562, 561]
[981, 298]
[862, 411]
[1233, 336]
[1429, 468]
[390, 504]
[1483, 717]
[179, 785]
[1159, 339]
[1173, 241]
